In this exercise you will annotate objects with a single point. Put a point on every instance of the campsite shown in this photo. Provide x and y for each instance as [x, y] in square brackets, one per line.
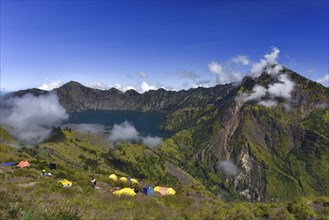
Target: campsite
[164, 110]
[69, 193]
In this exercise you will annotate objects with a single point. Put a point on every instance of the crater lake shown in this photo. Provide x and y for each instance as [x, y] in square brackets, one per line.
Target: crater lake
[146, 123]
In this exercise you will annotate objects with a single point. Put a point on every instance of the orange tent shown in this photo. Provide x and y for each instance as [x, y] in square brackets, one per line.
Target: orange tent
[23, 163]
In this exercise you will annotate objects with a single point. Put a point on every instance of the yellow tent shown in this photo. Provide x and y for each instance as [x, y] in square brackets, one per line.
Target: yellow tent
[113, 177]
[123, 179]
[65, 183]
[125, 192]
[164, 190]
[171, 191]
[134, 181]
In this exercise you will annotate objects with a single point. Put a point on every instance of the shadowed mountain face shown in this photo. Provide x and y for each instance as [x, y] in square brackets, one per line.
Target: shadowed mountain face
[272, 131]
[76, 97]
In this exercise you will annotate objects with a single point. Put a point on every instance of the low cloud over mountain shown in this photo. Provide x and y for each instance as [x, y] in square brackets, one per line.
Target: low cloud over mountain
[31, 119]
[282, 88]
[127, 132]
[228, 168]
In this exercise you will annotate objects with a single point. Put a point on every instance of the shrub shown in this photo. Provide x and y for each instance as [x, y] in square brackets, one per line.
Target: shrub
[301, 209]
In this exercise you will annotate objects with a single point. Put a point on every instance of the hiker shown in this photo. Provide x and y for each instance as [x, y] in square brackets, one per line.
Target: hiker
[43, 173]
[94, 182]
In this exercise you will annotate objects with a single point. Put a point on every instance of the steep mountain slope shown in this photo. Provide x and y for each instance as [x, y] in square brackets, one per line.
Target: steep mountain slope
[273, 128]
[281, 151]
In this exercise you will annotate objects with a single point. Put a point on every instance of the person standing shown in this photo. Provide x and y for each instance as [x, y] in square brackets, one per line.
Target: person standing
[94, 182]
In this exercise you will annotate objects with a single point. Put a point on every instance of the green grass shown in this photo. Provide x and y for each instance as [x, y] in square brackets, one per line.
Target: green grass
[25, 194]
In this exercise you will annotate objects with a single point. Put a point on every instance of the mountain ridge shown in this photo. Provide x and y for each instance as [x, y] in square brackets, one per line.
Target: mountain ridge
[264, 126]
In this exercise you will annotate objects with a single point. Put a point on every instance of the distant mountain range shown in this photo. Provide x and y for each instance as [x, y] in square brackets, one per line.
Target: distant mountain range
[273, 129]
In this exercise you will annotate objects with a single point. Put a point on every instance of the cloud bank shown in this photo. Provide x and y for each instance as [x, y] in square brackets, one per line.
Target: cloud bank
[126, 132]
[30, 119]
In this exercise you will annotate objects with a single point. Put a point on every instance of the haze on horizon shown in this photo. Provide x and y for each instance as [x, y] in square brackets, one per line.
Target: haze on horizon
[145, 45]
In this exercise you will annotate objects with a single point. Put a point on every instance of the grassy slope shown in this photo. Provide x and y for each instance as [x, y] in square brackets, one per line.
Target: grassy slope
[25, 194]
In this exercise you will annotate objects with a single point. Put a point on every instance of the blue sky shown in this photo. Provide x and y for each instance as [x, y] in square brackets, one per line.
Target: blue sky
[151, 44]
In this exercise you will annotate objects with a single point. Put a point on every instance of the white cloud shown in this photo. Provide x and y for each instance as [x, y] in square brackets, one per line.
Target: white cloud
[324, 80]
[130, 88]
[140, 87]
[127, 132]
[97, 85]
[229, 71]
[223, 76]
[31, 119]
[266, 64]
[202, 83]
[274, 70]
[124, 132]
[236, 77]
[151, 141]
[241, 59]
[50, 85]
[215, 68]
[282, 88]
[257, 92]
[228, 168]
[267, 103]
[144, 87]
[271, 58]
[119, 87]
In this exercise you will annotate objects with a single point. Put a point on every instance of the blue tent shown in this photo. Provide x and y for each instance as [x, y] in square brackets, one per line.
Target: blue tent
[52, 166]
[8, 164]
[149, 191]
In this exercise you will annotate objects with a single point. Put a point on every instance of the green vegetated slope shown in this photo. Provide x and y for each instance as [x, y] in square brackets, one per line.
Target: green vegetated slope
[25, 194]
[281, 151]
